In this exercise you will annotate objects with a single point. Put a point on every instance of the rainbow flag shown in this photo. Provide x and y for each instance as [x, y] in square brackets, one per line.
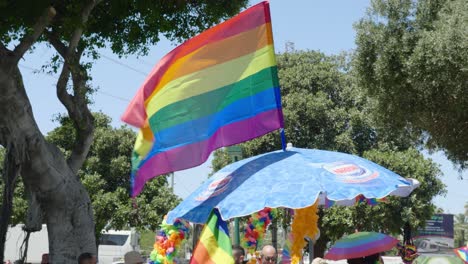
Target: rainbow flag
[462, 252]
[214, 245]
[217, 89]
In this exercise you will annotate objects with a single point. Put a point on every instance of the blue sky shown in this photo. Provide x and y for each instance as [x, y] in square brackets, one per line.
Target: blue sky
[325, 25]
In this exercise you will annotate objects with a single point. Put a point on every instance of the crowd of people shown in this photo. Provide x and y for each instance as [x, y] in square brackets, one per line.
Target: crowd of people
[268, 255]
[132, 257]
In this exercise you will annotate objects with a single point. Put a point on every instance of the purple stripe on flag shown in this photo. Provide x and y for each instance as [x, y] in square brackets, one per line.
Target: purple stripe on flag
[192, 155]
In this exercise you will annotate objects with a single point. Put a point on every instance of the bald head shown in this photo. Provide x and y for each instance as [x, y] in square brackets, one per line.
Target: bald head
[268, 254]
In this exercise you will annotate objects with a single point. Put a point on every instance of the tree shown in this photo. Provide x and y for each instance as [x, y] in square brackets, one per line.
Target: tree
[105, 174]
[412, 57]
[75, 29]
[461, 229]
[325, 109]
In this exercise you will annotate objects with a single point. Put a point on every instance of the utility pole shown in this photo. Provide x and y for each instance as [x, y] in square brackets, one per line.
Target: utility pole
[289, 47]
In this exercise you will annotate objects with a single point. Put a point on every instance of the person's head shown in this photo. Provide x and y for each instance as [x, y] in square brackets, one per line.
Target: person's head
[372, 259]
[45, 258]
[87, 258]
[268, 255]
[356, 261]
[319, 261]
[133, 257]
[238, 253]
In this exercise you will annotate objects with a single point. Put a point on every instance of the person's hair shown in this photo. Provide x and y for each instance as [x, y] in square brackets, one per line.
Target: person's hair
[238, 248]
[84, 256]
[372, 259]
[356, 261]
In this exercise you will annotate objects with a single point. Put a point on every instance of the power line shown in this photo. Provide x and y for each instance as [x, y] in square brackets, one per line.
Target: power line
[124, 65]
[145, 62]
[98, 91]
[113, 96]
[32, 69]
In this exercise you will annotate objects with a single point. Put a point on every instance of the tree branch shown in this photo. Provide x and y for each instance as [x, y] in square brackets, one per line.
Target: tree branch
[64, 97]
[29, 39]
[82, 118]
[76, 104]
[76, 36]
[56, 43]
[3, 49]
[12, 169]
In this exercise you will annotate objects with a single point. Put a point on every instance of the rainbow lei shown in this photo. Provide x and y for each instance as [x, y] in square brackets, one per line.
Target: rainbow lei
[256, 226]
[168, 241]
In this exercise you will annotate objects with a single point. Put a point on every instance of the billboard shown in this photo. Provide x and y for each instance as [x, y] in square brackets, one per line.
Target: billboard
[437, 235]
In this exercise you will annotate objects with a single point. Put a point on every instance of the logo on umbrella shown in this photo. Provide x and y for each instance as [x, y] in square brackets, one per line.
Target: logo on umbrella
[215, 188]
[350, 172]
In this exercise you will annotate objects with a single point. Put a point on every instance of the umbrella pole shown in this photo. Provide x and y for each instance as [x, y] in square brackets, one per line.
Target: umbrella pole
[236, 232]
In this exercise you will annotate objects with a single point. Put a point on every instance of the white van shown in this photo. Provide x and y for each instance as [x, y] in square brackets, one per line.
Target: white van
[114, 244]
[112, 247]
[427, 246]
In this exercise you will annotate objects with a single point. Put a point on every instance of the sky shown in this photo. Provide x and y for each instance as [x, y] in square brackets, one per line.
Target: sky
[324, 25]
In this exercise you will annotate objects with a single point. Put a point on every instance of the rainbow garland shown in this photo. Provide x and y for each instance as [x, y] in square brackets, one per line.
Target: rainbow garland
[168, 241]
[360, 199]
[256, 226]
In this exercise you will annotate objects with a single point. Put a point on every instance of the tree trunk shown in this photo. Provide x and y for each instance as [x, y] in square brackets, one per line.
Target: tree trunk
[51, 183]
[320, 246]
[10, 175]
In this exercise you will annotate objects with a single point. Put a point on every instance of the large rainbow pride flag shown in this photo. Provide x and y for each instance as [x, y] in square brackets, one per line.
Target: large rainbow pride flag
[217, 89]
[214, 245]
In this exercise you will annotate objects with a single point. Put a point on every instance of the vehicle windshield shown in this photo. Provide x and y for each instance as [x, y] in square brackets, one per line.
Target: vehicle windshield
[113, 240]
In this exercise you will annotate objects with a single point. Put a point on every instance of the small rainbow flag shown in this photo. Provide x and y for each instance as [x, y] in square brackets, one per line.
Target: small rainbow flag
[286, 252]
[214, 245]
[462, 252]
[217, 89]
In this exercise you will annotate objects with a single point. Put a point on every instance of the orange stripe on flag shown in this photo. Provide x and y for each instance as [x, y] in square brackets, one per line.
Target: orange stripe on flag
[201, 255]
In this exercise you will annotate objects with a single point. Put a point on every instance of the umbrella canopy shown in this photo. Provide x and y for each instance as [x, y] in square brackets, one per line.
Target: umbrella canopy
[462, 252]
[295, 179]
[360, 244]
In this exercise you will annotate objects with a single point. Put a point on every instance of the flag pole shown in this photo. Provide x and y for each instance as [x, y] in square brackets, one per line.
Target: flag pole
[283, 139]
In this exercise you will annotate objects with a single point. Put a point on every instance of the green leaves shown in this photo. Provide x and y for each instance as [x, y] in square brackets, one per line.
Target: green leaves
[325, 108]
[106, 176]
[127, 26]
[413, 59]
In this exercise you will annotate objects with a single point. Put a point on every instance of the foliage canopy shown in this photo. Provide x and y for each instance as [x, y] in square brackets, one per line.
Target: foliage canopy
[412, 58]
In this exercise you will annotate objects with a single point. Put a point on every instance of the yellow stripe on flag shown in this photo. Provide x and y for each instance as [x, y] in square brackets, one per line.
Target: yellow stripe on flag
[211, 78]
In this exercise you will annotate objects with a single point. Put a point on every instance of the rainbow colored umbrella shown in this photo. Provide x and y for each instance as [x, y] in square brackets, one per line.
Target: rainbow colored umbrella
[360, 244]
[462, 252]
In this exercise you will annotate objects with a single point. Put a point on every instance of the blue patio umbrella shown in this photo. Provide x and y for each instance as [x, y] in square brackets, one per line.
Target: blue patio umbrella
[294, 178]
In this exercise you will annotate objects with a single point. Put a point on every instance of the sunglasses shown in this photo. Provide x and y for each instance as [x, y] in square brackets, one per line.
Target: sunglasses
[269, 258]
